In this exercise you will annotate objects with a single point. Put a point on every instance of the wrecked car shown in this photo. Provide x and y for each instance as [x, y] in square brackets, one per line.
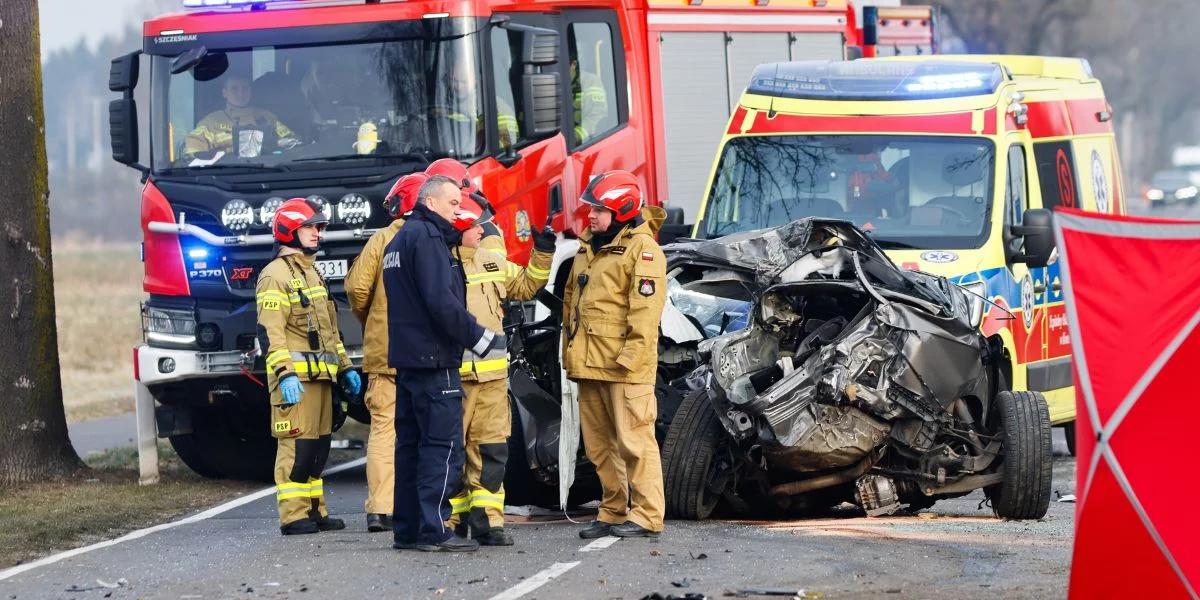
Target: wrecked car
[849, 380]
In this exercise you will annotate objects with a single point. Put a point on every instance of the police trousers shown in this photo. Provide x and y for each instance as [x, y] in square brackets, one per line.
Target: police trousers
[429, 453]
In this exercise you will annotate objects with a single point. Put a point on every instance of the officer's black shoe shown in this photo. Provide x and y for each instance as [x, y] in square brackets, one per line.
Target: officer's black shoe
[299, 527]
[378, 522]
[328, 523]
[461, 529]
[597, 529]
[495, 536]
[631, 529]
[452, 544]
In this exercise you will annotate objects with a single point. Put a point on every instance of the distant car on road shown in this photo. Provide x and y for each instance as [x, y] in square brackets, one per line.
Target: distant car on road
[1172, 187]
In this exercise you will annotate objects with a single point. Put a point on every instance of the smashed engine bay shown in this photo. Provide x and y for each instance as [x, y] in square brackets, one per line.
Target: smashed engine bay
[850, 379]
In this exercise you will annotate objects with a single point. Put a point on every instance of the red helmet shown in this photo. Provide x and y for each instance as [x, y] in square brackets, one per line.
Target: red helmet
[617, 191]
[403, 195]
[291, 216]
[469, 214]
[454, 170]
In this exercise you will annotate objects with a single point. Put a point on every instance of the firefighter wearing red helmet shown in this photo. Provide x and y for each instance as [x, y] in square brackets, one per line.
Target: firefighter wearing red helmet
[612, 306]
[364, 290]
[491, 281]
[298, 333]
[493, 239]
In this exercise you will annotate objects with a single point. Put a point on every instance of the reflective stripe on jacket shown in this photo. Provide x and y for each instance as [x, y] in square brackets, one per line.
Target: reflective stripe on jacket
[292, 299]
[491, 280]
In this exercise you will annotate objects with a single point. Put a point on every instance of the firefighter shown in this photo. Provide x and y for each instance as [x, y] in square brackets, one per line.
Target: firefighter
[493, 239]
[491, 281]
[612, 307]
[248, 130]
[428, 329]
[364, 289]
[590, 102]
[297, 328]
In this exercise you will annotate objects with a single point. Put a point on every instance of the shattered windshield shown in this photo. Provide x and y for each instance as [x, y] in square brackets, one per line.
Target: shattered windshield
[415, 92]
[906, 191]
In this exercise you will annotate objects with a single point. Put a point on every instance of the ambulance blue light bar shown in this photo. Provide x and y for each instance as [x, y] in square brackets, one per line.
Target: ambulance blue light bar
[875, 80]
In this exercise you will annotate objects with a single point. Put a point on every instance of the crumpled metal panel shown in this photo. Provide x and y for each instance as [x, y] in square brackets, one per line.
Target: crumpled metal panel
[821, 437]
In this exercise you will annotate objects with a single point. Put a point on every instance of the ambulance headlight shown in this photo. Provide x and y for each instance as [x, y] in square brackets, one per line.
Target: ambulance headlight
[976, 294]
[1186, 193]
[354, 210]
[237, 216]
[266, 212]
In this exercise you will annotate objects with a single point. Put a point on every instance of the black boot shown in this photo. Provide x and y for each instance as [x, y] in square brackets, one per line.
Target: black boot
[378, 522]
[631, 529]
[496, 536]
[299, 527]
[451, 544]
[328, 523]
[597, 529]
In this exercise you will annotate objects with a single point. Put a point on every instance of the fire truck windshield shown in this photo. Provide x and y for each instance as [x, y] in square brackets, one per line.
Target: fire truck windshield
[907, 191]
[278, 106]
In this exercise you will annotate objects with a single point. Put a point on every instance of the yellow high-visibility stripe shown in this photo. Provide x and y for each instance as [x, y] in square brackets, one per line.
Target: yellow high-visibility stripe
[484, 366]
[302, 367]
[289, 491]
[459, 505]
[277, 357]
[482, 277]
[485, 499]
[316, 488]
[537, 273]
[341, 349]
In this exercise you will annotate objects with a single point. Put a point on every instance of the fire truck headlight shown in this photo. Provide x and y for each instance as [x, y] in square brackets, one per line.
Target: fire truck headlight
[323, 202]
[237, 216]
[267, 211]
[354, 209]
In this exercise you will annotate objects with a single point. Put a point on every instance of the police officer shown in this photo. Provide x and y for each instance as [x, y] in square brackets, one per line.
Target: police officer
[491, 281]
[364, 289]
[239, 128]
[428, 329]
[493, 239]
[297, 328]
[612, 307]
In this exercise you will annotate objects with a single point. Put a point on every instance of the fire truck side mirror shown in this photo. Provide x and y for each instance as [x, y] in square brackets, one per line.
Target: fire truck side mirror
[123, 73]
[122, 113]
[542, 100]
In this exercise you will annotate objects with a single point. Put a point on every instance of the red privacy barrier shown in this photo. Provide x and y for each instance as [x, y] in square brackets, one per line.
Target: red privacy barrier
[1133, 303]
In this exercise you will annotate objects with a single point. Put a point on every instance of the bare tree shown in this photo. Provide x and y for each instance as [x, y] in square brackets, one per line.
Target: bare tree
[33, 426]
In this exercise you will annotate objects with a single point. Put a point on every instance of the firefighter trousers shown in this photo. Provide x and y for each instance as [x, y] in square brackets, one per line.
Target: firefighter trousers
[304, 432]
[429, 453]
[617, 421]
[381, 443]
[487, 423]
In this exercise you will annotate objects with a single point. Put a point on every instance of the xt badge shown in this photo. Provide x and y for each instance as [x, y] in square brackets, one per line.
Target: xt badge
[646, 287]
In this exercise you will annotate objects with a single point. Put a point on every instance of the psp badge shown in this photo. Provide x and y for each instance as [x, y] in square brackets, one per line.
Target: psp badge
[646, 287]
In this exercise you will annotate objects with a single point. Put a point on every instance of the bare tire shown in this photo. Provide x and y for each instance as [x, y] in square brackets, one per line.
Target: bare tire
[1024, 492]
[216, 450]
[1069, 431]
[688, 455]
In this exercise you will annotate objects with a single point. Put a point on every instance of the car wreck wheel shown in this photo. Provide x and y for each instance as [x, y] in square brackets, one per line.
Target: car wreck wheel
[1024, 492]
[695, 472]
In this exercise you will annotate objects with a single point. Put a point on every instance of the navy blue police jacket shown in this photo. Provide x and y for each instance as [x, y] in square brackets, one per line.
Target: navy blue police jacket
[428, 323]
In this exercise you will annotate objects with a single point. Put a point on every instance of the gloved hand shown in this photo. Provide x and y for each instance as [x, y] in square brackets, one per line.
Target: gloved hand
[545, 239]
[291, 389]
[352, 382]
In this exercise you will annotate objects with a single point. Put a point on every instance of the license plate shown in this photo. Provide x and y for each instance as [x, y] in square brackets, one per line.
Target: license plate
[332, 269]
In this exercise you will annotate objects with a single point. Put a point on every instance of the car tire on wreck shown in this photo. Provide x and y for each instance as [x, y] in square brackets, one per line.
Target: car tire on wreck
[1024, 492]
[688, 455]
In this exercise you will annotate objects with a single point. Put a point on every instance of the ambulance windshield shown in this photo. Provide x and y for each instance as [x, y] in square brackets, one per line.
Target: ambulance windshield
[406, 91]
[906, 191]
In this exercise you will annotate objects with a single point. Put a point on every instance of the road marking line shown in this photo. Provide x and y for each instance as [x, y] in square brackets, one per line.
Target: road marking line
[538, 580]
[600, 543]
[133, 535]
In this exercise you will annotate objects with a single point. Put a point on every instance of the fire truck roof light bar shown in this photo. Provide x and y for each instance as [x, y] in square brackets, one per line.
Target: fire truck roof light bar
[875, 80]
[265, 239]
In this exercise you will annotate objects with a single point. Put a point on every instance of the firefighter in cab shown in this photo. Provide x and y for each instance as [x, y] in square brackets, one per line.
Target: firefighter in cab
[364, 290]
[297, 329]
[491, 281]
[612, 306]
[239, 128]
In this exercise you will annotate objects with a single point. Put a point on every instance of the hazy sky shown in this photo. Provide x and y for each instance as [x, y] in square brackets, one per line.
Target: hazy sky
[64, 22]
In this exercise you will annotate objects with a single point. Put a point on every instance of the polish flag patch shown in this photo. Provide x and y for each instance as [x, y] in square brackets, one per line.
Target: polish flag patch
[647, 256]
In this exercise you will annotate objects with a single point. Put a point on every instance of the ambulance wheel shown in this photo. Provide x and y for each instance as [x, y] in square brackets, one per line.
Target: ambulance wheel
[1026, 459]
[1069, 431]
[216, 450]
[695, 473]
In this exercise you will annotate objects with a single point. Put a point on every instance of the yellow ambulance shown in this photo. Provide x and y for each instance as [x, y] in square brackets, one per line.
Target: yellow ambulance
[952, 163]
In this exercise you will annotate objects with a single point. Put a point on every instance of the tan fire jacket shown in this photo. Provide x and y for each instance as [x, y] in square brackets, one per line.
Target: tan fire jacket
[215, 132]
[610, 325]
[292, 301]
[364, 289]
[492, 280]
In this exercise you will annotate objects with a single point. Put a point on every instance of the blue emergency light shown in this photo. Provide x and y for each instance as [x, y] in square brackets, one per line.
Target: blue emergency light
[875, 80]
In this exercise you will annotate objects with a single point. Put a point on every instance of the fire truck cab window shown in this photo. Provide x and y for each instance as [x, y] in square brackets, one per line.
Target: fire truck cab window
[593, 81]
[275, 105]
[506, 68]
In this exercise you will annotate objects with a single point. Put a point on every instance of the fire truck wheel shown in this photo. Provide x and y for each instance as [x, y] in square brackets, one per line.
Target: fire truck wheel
[1027, 457]
[215, 450]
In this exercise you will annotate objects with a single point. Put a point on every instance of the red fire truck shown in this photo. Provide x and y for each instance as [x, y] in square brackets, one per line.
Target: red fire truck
[251, 102]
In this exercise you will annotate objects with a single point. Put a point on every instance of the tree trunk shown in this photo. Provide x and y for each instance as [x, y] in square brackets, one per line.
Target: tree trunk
[33, 426]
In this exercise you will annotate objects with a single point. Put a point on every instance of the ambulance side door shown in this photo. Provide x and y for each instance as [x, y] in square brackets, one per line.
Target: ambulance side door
[1025, 328]
[524, 174]
[1059, 184]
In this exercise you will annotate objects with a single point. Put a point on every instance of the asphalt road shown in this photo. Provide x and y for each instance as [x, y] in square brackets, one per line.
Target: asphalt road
[955, 550]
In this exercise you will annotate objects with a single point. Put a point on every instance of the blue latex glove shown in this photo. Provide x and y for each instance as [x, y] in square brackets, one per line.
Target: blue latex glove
[291, 389]
[353, 382]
